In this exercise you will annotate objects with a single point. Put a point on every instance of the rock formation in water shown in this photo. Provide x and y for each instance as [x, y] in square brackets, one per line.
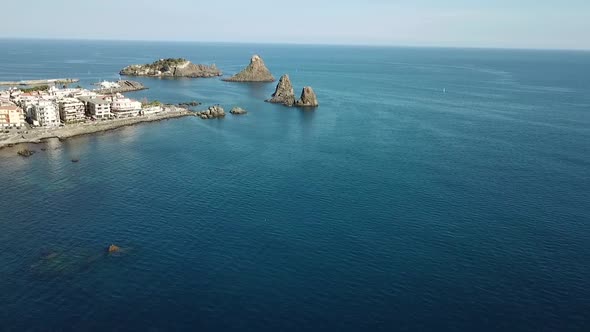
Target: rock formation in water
[212, 112]
[308, 98]
[190, 104]
[172, 68]
[238, 111]
[25, 153]
[255, 72]
[284, 93]
[113, 249]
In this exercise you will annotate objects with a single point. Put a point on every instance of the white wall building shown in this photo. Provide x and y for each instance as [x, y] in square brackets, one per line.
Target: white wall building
[98, 108]
[46, 113]
[71, 110]
[125, 107]
[11, 115]
[151, 110]
[109, 85]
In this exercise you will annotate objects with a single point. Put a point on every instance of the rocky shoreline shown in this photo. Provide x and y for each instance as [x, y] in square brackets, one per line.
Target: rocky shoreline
[40, 135]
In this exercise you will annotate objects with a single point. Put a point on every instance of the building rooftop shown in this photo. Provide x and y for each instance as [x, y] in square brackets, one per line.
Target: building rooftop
[94, 100]
[9, 107]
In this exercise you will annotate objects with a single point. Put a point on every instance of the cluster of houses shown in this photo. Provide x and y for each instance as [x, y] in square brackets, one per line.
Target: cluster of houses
[53, 107]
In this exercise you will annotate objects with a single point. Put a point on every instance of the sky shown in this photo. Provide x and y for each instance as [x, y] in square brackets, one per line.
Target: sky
[545, 24]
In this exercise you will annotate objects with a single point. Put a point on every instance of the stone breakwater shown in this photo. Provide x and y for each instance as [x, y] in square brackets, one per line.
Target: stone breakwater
[39, 134]
[59, 81]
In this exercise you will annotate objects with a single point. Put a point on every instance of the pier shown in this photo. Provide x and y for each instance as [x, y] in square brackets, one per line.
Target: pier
[57, 81]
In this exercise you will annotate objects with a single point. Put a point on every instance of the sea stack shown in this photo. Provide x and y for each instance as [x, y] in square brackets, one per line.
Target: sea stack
[284, 93]
[308, 98]
[171, 68]
[255, 72]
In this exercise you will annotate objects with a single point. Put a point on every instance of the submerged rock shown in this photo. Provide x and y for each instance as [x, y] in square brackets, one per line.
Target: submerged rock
[284, 93]
[53, 263]
[308, 98]
[211, 113]
[238, 111]
[113, 249]
[255, 72]
[189, 104]
[25, 152]
[172, 68]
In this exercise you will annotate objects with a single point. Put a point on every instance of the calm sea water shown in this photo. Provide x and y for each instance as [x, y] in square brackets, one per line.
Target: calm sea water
[393, 206]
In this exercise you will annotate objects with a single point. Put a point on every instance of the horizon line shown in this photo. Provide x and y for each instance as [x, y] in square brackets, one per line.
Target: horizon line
[377, 45]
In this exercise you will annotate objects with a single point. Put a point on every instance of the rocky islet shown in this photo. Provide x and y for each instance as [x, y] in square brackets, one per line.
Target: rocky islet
[285, 95]
[213, 112]
[308, 98]
[172, 68]
[238, 111]
[256, 71]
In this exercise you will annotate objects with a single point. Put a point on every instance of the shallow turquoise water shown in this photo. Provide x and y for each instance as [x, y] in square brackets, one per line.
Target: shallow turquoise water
[393, 206]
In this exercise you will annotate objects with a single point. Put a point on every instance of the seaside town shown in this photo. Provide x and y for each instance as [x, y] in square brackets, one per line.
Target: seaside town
[32, 111]
[29, 115]
[53, 107]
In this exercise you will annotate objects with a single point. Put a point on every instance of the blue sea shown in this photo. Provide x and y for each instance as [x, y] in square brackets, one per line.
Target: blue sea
[432, 190]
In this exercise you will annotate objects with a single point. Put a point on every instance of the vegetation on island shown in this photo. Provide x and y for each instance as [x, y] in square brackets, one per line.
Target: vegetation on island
[36, 88]
[171, 67]
[166, 63]
[145, 103]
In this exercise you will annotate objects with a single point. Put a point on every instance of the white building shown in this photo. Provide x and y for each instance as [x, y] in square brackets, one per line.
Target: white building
[99, 108]
[109, 85]
[125, 107]
[27, 102]
[11, 115]
[46, 113]
[71, 110]
[66, 92]
[151, 110]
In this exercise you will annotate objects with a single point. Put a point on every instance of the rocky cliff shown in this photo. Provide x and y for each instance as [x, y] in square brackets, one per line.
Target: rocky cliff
[255, 72]
[172, 68]
[284, 93]
[308, 98]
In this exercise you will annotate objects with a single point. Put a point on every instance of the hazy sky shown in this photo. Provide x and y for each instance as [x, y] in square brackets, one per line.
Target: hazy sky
[472, 23]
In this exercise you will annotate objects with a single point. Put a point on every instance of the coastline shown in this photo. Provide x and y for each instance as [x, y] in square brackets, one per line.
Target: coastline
[36, 136]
